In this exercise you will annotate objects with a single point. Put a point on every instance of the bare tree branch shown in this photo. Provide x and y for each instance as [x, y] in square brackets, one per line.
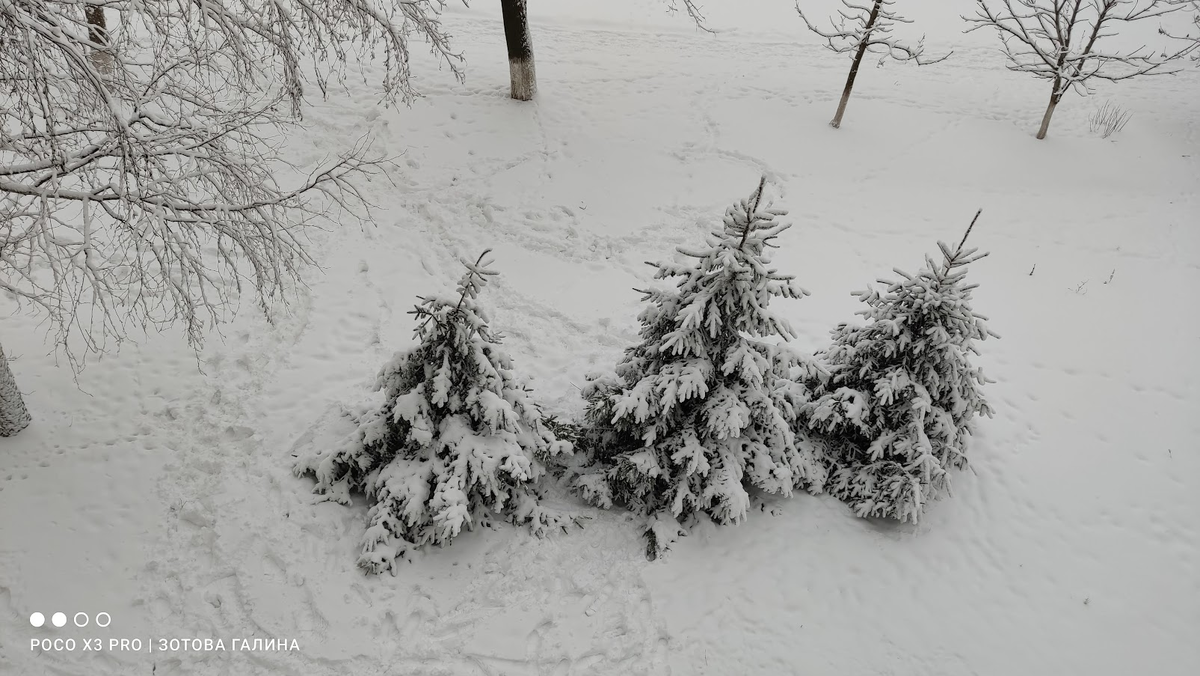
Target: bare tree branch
[1191, 38]
[692, 9]
[140, 189]
[856, 28]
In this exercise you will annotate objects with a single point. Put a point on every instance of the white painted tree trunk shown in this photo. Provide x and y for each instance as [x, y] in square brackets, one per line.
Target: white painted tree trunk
[14, 417]
[520, 49]
[524, 78]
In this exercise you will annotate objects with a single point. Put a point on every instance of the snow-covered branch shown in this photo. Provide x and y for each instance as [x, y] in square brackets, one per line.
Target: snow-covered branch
[869, 28]
[692, 9]
[138, 176]
[1057, 40]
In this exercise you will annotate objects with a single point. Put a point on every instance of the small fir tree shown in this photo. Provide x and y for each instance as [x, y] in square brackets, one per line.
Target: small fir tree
[898, 405]
[702, 408]
[457, 436]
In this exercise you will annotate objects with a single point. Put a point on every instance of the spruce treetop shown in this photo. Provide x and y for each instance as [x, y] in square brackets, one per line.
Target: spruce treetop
[725, 290]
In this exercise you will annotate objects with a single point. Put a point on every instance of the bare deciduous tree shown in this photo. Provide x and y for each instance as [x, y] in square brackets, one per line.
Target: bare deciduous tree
[144, 193]
[1057, 40]
[862, 29]
[520, 49]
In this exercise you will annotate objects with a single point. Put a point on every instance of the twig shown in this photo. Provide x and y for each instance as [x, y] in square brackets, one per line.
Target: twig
[968, 234]
[463, 296]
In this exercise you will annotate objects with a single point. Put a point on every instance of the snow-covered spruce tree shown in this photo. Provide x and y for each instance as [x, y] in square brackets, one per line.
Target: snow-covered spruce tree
[898, 404]
[14, 417]
[457, 436]
[702, 408]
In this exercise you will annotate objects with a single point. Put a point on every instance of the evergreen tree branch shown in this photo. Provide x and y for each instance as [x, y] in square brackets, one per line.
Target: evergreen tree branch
[762, 182]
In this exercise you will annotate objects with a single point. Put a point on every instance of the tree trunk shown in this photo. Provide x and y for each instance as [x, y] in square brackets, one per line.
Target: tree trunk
[520, 49]
[97, 30]
[1055, 97]
[100, 56]
[14, 417]
[858, 56]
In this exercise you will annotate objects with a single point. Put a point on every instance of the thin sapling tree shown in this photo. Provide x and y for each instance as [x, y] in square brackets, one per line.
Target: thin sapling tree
[1065, 41]
[861, 29]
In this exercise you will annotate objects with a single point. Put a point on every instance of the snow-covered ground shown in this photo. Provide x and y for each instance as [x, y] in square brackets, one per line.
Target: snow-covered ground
[159, 489]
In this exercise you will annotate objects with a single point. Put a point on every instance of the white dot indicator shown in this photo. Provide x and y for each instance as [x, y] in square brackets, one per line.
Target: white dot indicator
[37, 619]
[83, 622]
[107, 619]
[58, 619]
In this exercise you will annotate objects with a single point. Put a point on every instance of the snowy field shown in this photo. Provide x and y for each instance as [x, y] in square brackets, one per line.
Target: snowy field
[159, 488]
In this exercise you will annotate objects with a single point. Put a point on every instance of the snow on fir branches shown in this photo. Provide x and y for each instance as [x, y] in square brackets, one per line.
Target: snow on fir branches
[703, 409]
[457, 436]
[898, 404]
[709, 408]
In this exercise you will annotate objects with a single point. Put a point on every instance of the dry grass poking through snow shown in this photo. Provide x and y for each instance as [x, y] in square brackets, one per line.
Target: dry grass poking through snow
[1108, 119]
